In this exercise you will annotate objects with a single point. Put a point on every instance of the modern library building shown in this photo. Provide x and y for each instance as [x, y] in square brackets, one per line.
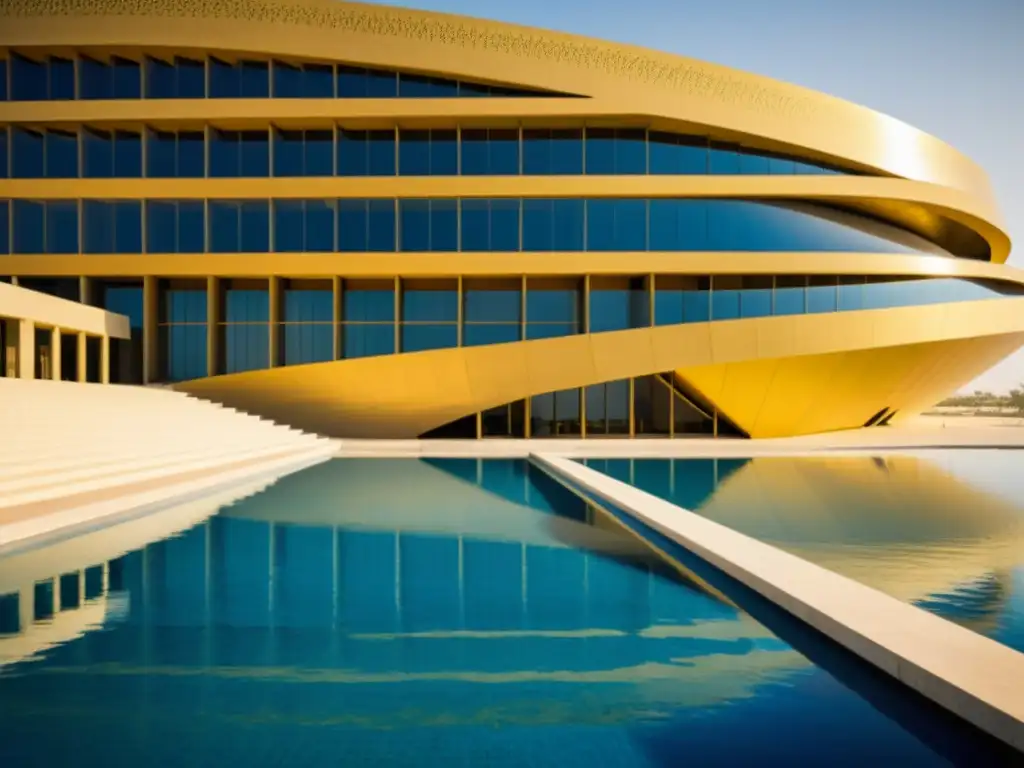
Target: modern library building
[373, 222]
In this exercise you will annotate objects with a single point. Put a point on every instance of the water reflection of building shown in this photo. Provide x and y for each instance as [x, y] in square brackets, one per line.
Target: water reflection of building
[40, 610]
[902, 524]
[365, 588]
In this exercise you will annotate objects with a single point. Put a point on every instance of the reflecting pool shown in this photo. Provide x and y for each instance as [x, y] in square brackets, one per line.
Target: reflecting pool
[420, 612]
[941, 529]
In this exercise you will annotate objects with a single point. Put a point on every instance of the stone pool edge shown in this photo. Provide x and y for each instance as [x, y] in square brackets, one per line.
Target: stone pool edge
[976, 678]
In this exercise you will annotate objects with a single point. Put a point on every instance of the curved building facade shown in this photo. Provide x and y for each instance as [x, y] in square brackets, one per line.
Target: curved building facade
[367, 221]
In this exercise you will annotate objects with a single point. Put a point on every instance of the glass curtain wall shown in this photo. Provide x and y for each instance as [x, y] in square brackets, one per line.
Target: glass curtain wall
[183, 329]
[318, 320]
[369, 313]
[473, 225]
[244, 327]
[430, 314]
[155, 75]
[307, 327]
[308, 150]
[125, 298]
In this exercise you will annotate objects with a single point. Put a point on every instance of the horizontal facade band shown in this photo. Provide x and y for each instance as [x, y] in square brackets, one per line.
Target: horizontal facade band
[91, 151]
[408, 264]
[377, 114]
[925, 209]
[629, 79]
[442, 225]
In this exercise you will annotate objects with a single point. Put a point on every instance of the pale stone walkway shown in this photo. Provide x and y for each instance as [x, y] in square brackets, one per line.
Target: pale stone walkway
[923, 433]
[973, 676]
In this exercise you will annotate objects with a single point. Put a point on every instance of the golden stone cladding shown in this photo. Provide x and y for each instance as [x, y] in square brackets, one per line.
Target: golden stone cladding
[620, 61]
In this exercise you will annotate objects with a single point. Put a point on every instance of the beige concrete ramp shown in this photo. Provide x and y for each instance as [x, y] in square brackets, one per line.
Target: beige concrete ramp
[976, 678]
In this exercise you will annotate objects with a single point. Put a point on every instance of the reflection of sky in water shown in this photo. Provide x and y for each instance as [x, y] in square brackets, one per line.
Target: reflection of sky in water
[941, 529]
[375, 612]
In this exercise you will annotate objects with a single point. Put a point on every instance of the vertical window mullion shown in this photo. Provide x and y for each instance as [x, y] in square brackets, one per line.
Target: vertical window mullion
[520, 214]
[519, 141]
[334, 143]
[647, 224]
[458, 224]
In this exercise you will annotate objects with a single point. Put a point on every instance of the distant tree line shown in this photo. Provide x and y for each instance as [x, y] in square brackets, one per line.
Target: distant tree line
[981, 399]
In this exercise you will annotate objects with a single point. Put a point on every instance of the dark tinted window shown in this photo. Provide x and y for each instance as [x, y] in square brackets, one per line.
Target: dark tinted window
[428, 225]
[95, 79]
[366, 153]
[616, 225]
[303, 81]
[422, 86]
[241, 79]
[362, 83]
[552, 151]
[428, 153]
[28, 152]
[29, 79]
[61, 154]
[62, 226]
[5, 226]
[553, 225]
[112, 226]
[366, 225]
[490, 225]
[127, 78]
[62, 79]
[181, 154]
[490, 151]
[175, 226]
[181, 78]
[29, 226]
[304, 225]
[239, 153]
[616, 151]
[673, 154]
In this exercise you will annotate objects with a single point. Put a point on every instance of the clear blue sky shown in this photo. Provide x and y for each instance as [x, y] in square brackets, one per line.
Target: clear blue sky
[953, 68]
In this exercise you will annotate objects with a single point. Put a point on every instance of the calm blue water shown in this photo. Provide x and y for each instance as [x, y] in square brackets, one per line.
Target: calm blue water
[404, 612]
[941, 529]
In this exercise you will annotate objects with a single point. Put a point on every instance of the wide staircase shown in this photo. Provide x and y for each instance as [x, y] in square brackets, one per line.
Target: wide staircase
[83, 451]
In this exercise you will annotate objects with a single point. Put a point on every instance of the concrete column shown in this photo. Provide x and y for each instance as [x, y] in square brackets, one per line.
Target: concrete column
[150, 346]
[26, 349]
[10, 350]
[583, 411]
[337, 315]
[398, 314]
[586, 303]
[85, 290]
[632, 407]
[459, 319]
[274, 295]
[212, 326]
[82, 374]
[652, 295]
[104, 359]
[55, 353]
